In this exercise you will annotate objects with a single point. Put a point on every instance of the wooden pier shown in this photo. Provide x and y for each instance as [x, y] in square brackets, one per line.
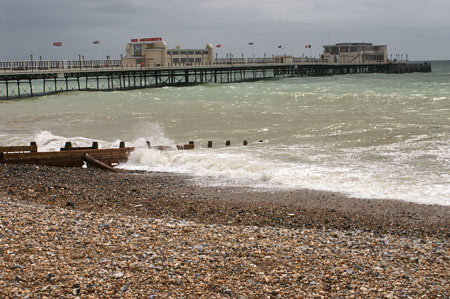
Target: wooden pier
[22, 84]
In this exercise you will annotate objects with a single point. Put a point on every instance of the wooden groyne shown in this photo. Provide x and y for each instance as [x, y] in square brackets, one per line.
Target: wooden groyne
[15, 85]
[70, 156]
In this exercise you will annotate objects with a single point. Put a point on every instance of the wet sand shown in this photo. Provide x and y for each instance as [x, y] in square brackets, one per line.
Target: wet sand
[209, 242]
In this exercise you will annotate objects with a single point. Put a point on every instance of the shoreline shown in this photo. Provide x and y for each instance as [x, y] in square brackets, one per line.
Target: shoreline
[174, 195]
[87, 233]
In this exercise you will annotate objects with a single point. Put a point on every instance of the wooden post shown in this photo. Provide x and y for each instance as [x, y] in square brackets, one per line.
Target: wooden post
[34, 147]
[209, 144]
[95, 145]
[245, 143]
[228, 143]
[68, 145]
[191, 142]
[122, 144]
[148, 144]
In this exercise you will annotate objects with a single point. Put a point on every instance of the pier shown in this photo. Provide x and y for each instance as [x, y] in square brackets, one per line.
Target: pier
[34, 80]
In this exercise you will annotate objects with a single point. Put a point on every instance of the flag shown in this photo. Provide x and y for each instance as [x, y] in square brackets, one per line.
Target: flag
[96, 42]
[57, 44]
[280, 46]
[218, 46]
[250, 44]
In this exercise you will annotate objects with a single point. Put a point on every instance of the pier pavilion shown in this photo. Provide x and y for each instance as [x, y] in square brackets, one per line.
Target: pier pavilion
[153, 52]
[354, 53]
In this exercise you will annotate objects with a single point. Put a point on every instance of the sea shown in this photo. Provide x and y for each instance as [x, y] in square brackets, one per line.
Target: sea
[384, 136]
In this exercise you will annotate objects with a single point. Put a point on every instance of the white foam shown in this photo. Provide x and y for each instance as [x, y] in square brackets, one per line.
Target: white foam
[253, 167]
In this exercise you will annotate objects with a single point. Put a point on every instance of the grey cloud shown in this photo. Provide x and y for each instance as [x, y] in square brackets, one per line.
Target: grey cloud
[30, 26]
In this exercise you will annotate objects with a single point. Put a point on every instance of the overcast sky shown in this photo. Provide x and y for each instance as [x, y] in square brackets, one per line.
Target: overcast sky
[420, 28]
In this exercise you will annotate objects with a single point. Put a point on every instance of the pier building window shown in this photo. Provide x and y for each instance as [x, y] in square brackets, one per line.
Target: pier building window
[191, 52]
[137, 50]
[198, 60]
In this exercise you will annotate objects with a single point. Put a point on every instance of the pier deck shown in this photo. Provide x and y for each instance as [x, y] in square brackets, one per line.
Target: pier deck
[30, 83]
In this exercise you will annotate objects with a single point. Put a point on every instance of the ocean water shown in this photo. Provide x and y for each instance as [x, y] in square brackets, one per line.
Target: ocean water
[365, 135]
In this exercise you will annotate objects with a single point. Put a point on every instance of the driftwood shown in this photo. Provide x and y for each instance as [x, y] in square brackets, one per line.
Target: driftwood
[96, 163]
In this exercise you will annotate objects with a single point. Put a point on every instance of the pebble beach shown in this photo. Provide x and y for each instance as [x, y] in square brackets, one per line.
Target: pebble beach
[87, 233]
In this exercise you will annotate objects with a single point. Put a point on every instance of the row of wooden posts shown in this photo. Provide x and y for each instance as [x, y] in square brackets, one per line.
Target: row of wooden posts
[33, 148]
[68, 145]
[228, 143]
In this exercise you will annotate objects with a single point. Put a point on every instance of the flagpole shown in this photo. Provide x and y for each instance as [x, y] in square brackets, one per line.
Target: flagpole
[253, 48]
[62, 56]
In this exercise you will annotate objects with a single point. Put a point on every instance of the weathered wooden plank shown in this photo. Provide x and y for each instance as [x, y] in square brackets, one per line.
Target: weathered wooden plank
[186, 146]
[74, 153]
[96, 163]
[11, 149]
[21, 148]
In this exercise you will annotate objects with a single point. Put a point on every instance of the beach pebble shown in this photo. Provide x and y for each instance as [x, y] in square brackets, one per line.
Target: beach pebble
[190, 247]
